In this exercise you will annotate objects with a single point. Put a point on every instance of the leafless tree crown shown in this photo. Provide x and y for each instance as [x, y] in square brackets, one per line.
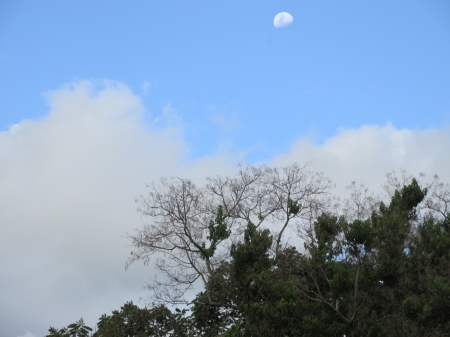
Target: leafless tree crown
[180, 214]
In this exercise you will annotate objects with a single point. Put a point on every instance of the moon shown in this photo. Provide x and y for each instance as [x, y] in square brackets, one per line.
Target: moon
[282, 20]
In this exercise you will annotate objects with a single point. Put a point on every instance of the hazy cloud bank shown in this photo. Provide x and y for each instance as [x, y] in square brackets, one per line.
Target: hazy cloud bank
[68, 184]
[366, 154]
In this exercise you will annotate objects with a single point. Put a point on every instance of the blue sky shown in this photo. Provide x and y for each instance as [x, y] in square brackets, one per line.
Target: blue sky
[340, 64]
[98, 98]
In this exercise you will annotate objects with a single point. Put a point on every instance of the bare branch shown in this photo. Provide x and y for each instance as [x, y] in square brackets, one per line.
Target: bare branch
[180, 214]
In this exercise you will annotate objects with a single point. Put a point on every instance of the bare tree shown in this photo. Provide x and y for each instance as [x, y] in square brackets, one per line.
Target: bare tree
[437, 201]
[191, 229]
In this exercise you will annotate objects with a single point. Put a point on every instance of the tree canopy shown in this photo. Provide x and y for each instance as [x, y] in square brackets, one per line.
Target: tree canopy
[366, 267]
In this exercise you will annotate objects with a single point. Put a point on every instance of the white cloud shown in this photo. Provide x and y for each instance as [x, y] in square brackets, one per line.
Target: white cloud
[367, 153]
[68, 184]
[169, 118]
[67, 189]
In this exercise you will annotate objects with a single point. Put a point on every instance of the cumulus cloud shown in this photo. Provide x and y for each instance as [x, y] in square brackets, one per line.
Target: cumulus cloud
[68, 183]
[67, 189]
[368, 153]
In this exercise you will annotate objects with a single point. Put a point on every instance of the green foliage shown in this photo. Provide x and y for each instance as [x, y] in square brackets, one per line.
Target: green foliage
[355, 278]
[132, 321]
[218, 231]
[293, 207]
[77, 329]
[427, 299]
[386, 275]
[251, 256]
[210, 320]
[326, 228]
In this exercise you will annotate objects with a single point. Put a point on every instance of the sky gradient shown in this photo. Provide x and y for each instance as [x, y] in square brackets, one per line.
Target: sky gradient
[99, 98]
[225, 70]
